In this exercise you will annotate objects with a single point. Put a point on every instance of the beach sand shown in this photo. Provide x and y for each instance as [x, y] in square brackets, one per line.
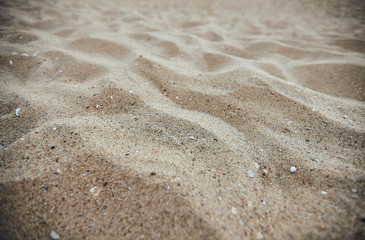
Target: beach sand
[182, 119]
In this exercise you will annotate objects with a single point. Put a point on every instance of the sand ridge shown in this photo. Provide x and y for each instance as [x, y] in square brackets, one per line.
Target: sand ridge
[165, 119]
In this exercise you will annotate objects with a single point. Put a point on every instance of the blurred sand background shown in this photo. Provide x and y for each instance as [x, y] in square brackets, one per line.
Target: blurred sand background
[182, 119]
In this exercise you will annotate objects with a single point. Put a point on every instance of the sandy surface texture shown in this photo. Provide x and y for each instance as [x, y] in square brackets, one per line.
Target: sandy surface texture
[166, 119]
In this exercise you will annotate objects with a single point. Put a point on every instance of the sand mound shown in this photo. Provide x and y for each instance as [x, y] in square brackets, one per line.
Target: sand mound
[186, 120]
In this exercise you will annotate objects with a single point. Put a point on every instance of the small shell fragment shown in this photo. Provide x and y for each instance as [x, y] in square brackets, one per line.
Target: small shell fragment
[95, 191]
[250, 173]
[17, 112]
[293, 169]
[54, 235]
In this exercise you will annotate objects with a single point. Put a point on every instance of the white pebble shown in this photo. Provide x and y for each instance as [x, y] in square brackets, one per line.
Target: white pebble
[17, 112]
[24, 54]
[55, 128]
[354, 190]
[22, 139]
[345, 116]
[10, 62]
[14, 53]
[97, 105]
[130, 91]
[111, 97]
[54, 235]
[58, 170]
[168, 187]
[241, 222]
[324, 193]
[257, 165]
[191, 137]
[234, 210]
[293, 169]
[266, 171]
[34, 54]
[250, 173]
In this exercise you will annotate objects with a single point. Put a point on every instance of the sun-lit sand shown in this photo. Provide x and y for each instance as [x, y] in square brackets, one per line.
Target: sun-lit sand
[182, 119]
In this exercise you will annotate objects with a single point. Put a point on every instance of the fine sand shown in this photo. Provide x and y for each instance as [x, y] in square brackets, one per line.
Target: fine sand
[163, 119]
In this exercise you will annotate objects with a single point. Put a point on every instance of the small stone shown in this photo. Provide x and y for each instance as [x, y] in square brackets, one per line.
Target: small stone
[191, 137]
[95, 191]
[234, 210]
[257, 165]
[54, 235]
[293, 169]
[130, 91]
[10, 62]
[58, 171]
[17, 112]
[241, 222]
[250, 173]
[264, 202]
[324, 193]
[55, 128]
[24, 54]
[111, 97]
[266, 171]
[97, 105]
[345, 116]
[316, 160]
[354, 190]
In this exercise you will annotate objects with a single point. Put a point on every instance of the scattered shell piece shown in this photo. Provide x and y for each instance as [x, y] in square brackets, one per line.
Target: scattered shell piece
[34, 54]
[111, 97]
[259, 235]
[345, 116]
[24, 54]
[97, 105]
[250, 173]
[314, 159]
[21, 139]
[14, 53]
[354, 190]
[219, 199]
[130, 91]
[241, 222]
[55, 128]
[257, 165]
[266, 171]
[264, 202]
[234, 210]
[10, 62]
[324, 193]
[95, 191]
[54, 235]
[58, 170]
[168, 187]
[177, 97]
[293, 169]
[17, 112]
[191, 137]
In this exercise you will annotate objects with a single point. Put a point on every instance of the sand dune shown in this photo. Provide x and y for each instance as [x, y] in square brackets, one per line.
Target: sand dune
[182, 119]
